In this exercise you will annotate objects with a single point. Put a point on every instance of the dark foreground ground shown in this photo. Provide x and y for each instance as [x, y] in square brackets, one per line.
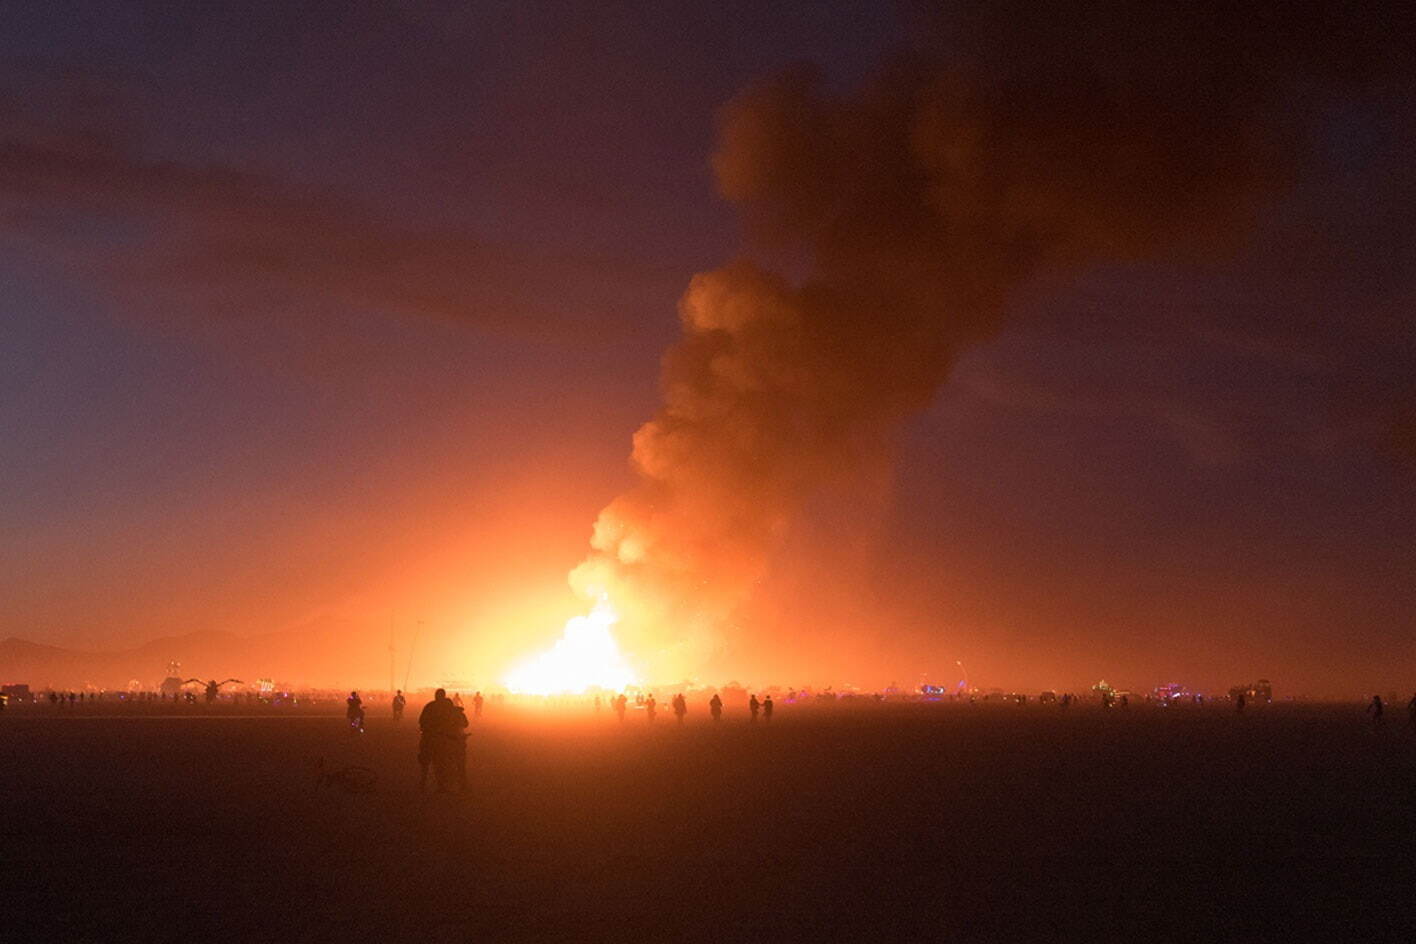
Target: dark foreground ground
[911, 823]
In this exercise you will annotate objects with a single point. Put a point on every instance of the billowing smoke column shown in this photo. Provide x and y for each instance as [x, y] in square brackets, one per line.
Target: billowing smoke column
[902, 218]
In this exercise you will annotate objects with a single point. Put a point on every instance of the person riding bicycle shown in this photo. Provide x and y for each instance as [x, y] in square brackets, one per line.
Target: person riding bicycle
[355, 711]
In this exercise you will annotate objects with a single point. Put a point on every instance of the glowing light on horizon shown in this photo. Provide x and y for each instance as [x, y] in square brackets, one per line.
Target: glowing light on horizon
[585, 657]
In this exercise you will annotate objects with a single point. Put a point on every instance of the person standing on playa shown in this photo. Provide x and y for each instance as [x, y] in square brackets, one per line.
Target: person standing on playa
[399, 702]
[649, 706]
[456, 773]
[715, 706]
[753, 706]
[1375, 709]
[680, 707]
[767, 710]
[477, 705]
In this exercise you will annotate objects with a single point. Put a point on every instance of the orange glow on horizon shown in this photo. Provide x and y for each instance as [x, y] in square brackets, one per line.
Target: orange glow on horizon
[585, 657]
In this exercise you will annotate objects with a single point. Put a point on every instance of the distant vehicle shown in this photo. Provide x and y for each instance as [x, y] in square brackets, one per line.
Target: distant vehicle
[1172, 693]
[212, 688]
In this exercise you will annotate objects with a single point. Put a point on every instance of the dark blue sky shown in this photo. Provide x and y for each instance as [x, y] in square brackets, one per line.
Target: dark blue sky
[227, 403]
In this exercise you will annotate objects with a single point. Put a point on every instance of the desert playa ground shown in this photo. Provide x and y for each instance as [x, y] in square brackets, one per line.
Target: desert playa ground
[911, 822]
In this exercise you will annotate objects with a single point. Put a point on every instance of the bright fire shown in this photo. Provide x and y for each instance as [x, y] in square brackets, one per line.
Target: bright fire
[585, 657]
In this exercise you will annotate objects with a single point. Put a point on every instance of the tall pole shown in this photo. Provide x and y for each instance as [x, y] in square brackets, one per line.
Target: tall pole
[412, 647]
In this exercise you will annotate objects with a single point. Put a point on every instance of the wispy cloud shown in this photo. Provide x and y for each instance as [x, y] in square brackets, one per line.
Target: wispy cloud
[84, 196]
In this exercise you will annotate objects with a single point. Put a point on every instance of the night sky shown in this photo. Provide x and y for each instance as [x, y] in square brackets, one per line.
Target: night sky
[345, 314]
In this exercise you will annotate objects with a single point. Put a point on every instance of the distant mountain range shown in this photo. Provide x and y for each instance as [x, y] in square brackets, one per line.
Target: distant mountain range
[329, 654]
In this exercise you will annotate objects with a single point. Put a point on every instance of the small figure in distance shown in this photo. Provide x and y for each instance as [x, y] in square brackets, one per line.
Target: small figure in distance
[753, 706]
[1411, 711]
[477, 705]
[767, 710]
[619, 705]
[1239, 703]
[1375, 709]
[649, 705]
[680, 707]
[399, 703]
[354, 712]
[715, 705]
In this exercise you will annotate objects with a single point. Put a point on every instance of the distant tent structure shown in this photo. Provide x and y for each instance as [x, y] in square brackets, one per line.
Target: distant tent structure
[172, 685]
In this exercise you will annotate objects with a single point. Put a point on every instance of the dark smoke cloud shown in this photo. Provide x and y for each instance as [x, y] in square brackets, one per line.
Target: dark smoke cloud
[1016, 144]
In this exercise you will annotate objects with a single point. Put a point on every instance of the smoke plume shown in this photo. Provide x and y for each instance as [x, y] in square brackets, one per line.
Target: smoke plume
[1013, 145]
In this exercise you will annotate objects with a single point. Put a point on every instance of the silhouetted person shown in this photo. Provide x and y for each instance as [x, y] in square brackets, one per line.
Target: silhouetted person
[649, 705]
[715, 706]
[1411, 711]
[767, 710]
[354, 712]
[477, 705]
[437, 723]
[619, 703]
[1375, 709]
[1239, 703]
[456, 772]
[753, 706]
[399, 702]
[680, 705]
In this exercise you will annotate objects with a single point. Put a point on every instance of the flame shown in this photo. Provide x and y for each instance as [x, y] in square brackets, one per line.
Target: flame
[585, 657]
